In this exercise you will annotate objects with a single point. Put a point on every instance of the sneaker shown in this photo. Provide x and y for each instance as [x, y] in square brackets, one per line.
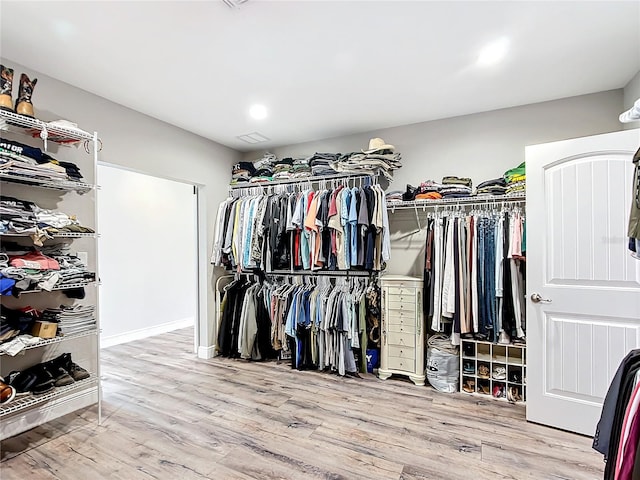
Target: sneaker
[36, 380]
[515, 377]
[78, 373]
[65, 362]
[468, 368]
[60, 376]
[499, 373]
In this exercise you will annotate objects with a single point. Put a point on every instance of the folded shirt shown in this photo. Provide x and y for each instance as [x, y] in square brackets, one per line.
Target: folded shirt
[457, 181]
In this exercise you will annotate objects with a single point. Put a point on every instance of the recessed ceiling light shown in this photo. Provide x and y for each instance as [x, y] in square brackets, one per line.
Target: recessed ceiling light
[258, 112]
[493, 52]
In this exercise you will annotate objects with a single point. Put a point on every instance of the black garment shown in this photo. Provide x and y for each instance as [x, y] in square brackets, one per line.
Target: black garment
[263, 336]
[508, 309]
[427, 290]
[370, 238]
[623, 400]
[230, 324]
[456, 264]
[604, 429]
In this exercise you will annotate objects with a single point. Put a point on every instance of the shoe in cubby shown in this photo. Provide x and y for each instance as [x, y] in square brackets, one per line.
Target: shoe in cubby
[468, 384]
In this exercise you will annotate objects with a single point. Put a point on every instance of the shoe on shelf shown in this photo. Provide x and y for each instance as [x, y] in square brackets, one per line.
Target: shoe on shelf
[498, 391]
[36, 380]
[499, 373]
[513, 394]
[515, 377]
[483, 371]
[468, 368]
[7, 392]
[469, 386]
[76, 371]
[484, 389]
[60, 376]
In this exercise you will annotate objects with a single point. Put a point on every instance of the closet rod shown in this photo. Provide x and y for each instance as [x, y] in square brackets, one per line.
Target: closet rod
[322, 273]
[472, 201]
[316, 179]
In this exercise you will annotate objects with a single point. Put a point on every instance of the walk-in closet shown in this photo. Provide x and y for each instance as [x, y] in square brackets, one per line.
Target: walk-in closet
[285, 239]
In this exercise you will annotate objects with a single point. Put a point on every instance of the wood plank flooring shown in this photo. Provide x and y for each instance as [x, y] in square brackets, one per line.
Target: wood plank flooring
[169, 415]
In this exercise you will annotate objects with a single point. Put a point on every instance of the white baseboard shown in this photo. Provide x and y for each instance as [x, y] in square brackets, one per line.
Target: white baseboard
[206, 352]
[145, 332]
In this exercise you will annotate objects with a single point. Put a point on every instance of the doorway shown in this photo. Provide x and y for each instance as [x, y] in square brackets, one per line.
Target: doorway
[148, 255]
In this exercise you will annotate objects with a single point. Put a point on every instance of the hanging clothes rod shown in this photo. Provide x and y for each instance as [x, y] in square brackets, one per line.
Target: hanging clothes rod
[312, 180]
[453, 202]
[322, 273]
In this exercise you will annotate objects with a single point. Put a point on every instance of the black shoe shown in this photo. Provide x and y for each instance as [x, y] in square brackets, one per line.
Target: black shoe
[36, 380]
[77, 372]
[60, 376]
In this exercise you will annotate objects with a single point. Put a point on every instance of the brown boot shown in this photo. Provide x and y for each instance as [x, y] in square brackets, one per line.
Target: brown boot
[6, 83]
[23, 103]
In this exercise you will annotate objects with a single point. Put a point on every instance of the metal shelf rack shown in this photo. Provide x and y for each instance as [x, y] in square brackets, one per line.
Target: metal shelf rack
[59, 338]
[21, 403]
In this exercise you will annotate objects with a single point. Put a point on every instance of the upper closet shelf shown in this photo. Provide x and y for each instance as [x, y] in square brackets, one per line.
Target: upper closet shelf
[66, 185]
[473, 200]
[50, 131]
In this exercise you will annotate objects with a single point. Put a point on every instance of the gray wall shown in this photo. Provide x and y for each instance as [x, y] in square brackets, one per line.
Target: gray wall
[144, 144]
[631, 94]
[480, 146]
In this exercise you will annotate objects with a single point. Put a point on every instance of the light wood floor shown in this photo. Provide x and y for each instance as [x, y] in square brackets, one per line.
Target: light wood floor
[168, 415]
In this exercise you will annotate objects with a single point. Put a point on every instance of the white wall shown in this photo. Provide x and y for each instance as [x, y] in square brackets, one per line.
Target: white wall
[631, 94]
[148, 255]
[480, 146]
[147, 145]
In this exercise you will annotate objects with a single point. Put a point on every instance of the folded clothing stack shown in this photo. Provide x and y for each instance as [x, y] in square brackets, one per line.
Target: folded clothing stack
[394, 196]
[52, 267]
[321, 164]
[30, 162]
[429, 196]
[456, 187]
[283, 168]
[516, 179]
[368, 163]
[429, 190]
[20, 216]
[76, 319]
[497, 186]
[263, 168]
[16, 322]
[242, 172]
[300, 168]
[16, 216]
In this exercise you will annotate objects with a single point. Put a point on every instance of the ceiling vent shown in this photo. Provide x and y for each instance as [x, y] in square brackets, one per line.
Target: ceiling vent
[234, 3]
[253, 138]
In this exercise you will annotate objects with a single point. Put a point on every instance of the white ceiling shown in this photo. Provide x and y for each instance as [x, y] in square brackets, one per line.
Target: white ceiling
[322, 68]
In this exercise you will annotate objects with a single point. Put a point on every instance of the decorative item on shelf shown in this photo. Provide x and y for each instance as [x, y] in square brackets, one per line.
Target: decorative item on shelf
[24, 105]
[6, 85]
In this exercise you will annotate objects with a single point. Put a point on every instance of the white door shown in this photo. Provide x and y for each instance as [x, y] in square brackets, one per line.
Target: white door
[578, 197]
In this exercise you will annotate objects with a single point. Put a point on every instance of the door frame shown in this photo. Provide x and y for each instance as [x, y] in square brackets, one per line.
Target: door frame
[201, 248]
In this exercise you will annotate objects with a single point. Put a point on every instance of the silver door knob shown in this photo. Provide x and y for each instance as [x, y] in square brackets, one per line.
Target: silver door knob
[537, 298]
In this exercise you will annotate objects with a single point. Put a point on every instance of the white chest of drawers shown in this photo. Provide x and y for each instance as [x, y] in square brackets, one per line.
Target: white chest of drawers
[402, 345]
